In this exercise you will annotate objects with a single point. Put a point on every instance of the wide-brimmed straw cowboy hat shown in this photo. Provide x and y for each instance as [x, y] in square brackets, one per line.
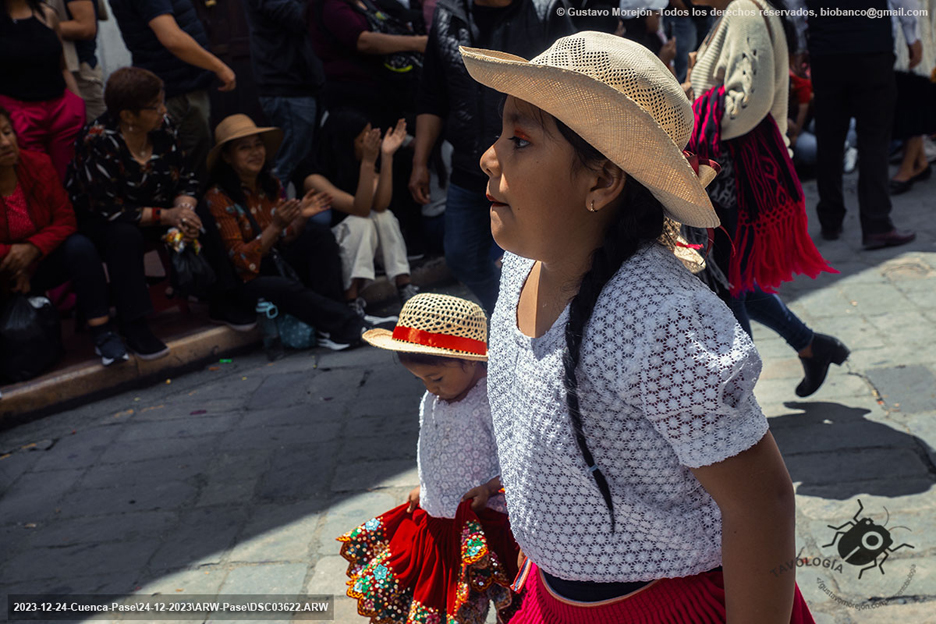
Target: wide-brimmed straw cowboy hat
[620, 98]
[433, 324]
[237, 127]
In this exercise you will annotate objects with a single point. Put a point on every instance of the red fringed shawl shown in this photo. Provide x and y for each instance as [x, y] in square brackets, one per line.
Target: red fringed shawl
[771, 242]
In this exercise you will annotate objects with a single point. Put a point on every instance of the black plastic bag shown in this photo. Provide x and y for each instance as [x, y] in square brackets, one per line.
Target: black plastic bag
[191, 275]
[30, 337]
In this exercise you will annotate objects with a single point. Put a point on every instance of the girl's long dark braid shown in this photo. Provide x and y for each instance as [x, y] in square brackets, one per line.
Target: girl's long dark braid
[639, 221]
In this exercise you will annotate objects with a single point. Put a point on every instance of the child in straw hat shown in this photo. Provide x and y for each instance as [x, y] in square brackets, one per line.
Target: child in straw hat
[447, 552]
[642, 482]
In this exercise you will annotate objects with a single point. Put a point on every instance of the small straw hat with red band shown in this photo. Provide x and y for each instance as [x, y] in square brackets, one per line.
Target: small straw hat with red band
[433, 324]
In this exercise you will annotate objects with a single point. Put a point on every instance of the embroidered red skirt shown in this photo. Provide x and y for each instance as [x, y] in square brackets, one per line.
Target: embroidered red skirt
[698, 599]
[414, 568]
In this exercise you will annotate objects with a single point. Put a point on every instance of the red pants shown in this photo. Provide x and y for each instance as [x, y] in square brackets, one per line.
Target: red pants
[50, 126]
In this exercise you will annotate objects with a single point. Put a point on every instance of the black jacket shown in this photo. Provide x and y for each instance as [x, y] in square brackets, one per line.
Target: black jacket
[471, 111]
[281, 53]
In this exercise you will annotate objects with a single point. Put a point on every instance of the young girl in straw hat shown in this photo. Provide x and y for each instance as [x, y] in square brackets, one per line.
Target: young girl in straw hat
[642, 482]
[448, 551]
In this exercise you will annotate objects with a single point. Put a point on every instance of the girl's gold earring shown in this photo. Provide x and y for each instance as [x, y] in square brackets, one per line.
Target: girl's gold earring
[591, 207]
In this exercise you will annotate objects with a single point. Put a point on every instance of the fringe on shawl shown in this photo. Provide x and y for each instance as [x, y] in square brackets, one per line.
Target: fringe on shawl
[771, 242]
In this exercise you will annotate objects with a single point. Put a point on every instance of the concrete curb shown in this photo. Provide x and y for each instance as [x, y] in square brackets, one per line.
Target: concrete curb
[88, 380]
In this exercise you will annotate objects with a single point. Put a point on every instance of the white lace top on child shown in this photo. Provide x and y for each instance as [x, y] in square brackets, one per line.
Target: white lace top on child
[456, 451]
[665, 382]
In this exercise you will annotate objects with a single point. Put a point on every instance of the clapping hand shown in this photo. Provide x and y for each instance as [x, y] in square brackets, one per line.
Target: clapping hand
[371, 148]
[286, 212]
[394, 138]
[314, 203]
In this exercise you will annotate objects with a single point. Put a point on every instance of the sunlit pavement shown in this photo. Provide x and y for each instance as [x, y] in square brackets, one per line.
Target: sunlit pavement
[236, 479]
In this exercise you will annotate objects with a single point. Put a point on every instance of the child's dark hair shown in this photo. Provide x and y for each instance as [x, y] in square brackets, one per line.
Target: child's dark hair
[425, 359]
[639, 221]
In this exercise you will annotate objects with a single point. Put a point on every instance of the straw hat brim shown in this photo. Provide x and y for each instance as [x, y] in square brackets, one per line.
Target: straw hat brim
[383, 339]
[272, 138]
[610, 121]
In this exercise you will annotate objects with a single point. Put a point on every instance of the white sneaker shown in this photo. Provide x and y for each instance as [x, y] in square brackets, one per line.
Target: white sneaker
[323, 339]
[382, 321]
[357, 306]
[851, 160]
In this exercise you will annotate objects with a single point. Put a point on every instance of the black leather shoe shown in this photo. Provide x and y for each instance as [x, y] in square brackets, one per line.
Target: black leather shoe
[826, 350]
[831, 233]
[888, 239]
[899, 187]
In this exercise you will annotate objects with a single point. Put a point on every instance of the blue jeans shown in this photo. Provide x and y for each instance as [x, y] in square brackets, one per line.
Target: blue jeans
[297, 117]
[770, 311]
[468, 243]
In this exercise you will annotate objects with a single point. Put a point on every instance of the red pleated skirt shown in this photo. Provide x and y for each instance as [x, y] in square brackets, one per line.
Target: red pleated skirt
[698, 599]
[414, 568]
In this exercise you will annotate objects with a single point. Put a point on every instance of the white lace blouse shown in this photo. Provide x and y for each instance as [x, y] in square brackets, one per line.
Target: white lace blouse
[665, 381]
[456, 451]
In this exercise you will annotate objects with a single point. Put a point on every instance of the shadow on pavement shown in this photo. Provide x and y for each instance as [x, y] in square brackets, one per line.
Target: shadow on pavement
[834, 452]
[234, 480]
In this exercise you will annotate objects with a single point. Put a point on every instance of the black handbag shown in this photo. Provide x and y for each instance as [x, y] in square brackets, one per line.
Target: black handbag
[190, 274]
[30, 337]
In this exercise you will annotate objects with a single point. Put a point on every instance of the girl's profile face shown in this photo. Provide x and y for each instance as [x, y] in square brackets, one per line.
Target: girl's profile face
[246, 155]
[538, 198]
[449, 381]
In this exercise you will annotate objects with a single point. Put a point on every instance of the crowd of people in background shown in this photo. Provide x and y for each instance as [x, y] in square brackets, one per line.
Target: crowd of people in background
[368, 156]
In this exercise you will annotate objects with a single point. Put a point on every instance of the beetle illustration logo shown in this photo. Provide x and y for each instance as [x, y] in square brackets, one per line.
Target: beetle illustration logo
[864, 541]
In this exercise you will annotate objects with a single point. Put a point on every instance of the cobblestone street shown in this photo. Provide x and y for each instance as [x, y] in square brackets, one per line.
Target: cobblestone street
[236, 479]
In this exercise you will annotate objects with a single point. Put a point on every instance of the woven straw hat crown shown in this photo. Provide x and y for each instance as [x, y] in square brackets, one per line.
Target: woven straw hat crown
[620, 98]
[442, 314]
[619, 67]
[436, 324]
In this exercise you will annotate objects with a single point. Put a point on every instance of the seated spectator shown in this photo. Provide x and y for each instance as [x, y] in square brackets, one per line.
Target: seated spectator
[246, 200]
[39, 247]
[41, 94]
[128, 183]
[353, 57]
[346, 170]
[167, 38]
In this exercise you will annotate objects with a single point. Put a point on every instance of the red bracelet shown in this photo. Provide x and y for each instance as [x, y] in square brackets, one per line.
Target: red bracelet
[157, 215]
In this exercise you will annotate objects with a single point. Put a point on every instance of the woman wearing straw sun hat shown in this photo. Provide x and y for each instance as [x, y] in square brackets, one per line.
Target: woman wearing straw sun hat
[641, 479]
[277, 253]
[447, 552]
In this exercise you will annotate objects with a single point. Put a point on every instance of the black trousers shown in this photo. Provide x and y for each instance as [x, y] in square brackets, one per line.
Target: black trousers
[122, 246]
[76, 259]
[317, 297]
[860, 86]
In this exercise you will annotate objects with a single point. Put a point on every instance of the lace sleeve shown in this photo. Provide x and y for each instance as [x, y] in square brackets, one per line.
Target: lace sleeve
[696, 382]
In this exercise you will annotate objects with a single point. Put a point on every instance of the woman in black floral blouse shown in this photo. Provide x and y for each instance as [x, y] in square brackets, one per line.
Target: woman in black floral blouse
[128, 183]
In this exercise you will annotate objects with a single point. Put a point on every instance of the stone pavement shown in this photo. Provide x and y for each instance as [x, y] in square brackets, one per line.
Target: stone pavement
[237, 478]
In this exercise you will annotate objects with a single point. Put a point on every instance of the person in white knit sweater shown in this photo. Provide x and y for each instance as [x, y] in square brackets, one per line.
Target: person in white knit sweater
[745, 60]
